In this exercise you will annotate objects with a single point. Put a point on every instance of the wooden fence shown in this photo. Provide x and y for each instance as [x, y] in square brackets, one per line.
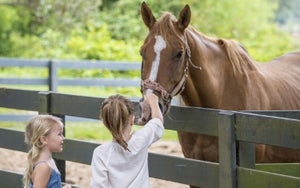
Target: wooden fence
[53, 80]
[53, 66]
[236, 131]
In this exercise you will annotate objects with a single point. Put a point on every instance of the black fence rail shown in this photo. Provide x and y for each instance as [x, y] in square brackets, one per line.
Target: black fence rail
[230, 127]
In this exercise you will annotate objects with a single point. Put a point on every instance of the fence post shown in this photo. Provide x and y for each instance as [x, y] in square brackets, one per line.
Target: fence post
[53, 80]
[44, 102]
[246, 151]
[45, 108]
[227, 150]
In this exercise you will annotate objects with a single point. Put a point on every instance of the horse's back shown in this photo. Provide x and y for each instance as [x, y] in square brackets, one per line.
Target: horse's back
[289, 59]
[282, 76]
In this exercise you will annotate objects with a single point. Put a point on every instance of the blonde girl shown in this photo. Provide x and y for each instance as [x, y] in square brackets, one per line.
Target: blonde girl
[124, 161]
[44, 135]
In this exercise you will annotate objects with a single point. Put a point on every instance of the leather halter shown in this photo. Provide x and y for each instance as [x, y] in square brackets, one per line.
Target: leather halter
[159, 89]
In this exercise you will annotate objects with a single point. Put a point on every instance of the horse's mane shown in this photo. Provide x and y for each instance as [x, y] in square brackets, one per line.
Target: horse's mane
[239, 58]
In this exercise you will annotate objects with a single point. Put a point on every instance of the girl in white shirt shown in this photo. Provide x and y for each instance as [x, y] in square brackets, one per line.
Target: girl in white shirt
[124, 161]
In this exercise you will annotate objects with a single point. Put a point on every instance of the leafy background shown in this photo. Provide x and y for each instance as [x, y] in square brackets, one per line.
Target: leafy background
[113, 29]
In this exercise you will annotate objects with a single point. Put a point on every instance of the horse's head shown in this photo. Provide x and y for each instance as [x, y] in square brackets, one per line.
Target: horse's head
[165, 57]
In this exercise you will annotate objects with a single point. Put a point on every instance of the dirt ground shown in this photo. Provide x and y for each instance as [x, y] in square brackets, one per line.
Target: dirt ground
[80, 174]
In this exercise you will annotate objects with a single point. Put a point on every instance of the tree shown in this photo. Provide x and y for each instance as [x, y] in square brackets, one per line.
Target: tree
[8, 21]
[50, 24]
[60, 15]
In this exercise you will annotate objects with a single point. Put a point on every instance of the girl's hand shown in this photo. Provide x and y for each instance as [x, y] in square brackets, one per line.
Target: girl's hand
[152, 100]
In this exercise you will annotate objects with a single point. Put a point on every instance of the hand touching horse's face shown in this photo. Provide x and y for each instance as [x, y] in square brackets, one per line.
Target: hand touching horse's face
[165, 56]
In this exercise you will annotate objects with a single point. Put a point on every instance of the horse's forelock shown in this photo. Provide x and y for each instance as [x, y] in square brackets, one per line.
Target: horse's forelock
[165, 26]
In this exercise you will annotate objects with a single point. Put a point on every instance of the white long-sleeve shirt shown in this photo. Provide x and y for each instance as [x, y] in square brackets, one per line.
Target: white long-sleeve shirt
[114, 167]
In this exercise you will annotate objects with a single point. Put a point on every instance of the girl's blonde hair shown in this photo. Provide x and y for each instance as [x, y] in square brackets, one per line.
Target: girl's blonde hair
[37, 127]
[115, 114]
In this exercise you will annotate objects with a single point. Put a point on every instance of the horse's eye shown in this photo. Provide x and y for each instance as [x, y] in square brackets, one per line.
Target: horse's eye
[179, 54]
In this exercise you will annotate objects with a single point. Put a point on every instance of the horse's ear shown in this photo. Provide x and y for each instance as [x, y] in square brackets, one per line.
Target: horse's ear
[147, 15]
[184, 18]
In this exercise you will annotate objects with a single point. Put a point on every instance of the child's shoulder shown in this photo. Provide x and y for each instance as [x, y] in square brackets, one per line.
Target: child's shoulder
[42, 167]
[104, 150]
[103, 147]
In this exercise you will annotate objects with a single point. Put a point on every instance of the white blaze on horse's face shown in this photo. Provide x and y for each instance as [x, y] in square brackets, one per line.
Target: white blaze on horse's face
[159, 45]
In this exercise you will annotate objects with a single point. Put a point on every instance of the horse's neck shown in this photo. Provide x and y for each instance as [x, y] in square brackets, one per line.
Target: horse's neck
[207, 85]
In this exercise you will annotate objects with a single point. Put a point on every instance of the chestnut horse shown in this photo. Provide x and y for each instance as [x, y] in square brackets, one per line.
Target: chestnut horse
[214, 73]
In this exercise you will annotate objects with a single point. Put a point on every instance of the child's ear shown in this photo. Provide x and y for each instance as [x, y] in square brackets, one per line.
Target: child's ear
[43, 140]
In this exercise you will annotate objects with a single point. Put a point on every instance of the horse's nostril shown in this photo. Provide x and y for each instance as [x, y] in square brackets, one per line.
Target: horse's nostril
[142, 99]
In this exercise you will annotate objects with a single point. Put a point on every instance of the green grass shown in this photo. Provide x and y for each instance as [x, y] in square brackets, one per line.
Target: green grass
[13, 125]
[86, 130]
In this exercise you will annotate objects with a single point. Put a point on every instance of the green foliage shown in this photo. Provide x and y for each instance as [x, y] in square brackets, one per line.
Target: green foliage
[249, 22]
[92, 43]
[97, 43]
[124, 20]
[114, 30]
[8, 18]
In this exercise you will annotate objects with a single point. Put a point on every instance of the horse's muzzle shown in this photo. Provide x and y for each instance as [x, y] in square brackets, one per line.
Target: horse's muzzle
[145, 111]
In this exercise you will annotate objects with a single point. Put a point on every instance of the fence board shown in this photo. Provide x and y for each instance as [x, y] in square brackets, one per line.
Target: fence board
[195, 120]
[293, 114]
[12, 139]
[77, 151]
[19, 99]
[186, 171]
[249, 178]
[116, 82]
[9, 179]
[72, 105]
[12, 62]
[86, 64]
[120, 82]
[258, 128]
[291, 169]
[24, 81]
